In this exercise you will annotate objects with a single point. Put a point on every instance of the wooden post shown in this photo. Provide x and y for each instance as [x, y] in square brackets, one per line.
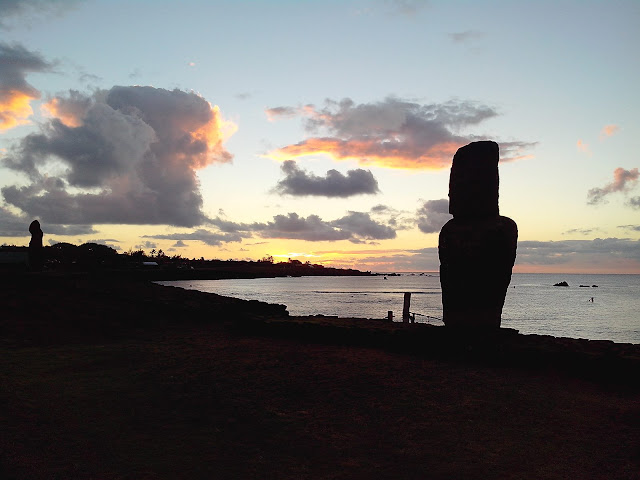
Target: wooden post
[390, 315]
[406, 307]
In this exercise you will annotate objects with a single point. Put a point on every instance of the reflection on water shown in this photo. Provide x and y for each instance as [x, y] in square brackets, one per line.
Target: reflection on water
[533, 304]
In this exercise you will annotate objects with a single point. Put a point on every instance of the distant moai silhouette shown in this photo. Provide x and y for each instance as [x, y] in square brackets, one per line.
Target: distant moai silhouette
[477, 247]
[36, 254]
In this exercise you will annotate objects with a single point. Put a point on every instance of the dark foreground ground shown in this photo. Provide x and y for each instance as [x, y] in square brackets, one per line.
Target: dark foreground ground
[137, 381]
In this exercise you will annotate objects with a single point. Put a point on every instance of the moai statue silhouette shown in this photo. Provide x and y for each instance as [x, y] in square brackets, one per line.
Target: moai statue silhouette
[477, 247]
[36, 255]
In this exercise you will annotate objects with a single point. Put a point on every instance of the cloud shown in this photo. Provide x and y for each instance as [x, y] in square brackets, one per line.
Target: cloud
[146, 245]
[432, 215]
[583, 147]
[12, 225]
[609, 131]
[292, 226]
[15, 93]
[392, 133]
[27, 9]
[634, 202]
[576, 251]
[107, 242]
[298, 182]
[89, 78]
[205, 236]
[398, 219]
[635, 228]
[128, 155]
[70, 110]
[407, 7]
[623, 181]
[363, 227]
[68, 230]
[581, 231]
[274, 113]
[356, 227]
[228, 226]
[466, 36]
[179, 244]
[380, 208]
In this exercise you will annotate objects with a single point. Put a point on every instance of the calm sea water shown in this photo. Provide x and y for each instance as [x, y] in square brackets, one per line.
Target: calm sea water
[533, 304]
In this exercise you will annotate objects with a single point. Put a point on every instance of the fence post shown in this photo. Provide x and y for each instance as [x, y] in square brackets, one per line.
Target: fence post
[390, 315]
[406, 307]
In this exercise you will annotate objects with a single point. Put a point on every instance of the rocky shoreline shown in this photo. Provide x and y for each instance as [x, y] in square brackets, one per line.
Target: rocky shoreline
[91, 304]
[92, 368]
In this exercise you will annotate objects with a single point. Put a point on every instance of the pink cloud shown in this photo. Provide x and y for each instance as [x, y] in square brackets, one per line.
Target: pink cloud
[609, 131]
[583, 147]
[623, 181]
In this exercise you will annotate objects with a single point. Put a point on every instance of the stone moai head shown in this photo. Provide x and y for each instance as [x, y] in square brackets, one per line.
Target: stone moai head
[474, 181]
[34, 228]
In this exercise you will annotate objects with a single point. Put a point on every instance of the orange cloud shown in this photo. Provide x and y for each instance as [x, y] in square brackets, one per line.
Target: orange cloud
[56, 108]
[15, 108]
[583, 147]
[15, 93]
[392, 133]
[608, 131]
[213, 134]
[382, 154]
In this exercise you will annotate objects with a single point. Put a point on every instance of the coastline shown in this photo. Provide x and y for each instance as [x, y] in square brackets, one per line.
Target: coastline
[226, 378]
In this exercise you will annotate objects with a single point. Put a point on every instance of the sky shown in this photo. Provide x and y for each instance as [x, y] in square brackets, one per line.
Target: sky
[321, 131]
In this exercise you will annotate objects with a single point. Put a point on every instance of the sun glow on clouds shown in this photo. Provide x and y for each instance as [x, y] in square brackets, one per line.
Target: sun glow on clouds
[16, 62]
[72, 111]
[609, 131]
[57, 108]
[583, 147]
[213, 134]
[15, 108]
[131, 155]
[388, 153]
[392, 133]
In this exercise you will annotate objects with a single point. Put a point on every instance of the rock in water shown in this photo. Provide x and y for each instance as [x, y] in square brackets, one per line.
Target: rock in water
[477, 248]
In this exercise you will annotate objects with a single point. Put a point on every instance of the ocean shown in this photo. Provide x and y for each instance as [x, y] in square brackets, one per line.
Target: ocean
[532, 306]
